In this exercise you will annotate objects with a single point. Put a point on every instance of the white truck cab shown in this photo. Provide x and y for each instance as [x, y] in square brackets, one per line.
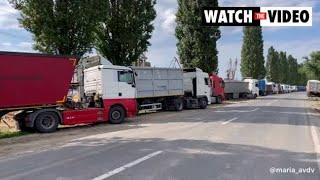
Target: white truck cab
[197, 84]
[112, 89]
[253, 86]
[110, 82]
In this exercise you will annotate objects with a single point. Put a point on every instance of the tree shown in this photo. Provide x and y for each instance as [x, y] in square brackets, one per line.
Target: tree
[272, 65]
[123, 35]
[292, 70]
[196, 44]
[252, 60]
[63, 27]
[302, 75]
[313, 65]
[283, 75]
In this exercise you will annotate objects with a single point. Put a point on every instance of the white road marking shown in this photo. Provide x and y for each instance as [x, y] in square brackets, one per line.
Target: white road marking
[124, 167]
[228, 121]
[316, 142]
[268, 104]
[240, 111]
[298, 113]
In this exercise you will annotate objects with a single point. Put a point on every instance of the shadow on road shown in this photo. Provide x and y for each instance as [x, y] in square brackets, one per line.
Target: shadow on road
[182, 159]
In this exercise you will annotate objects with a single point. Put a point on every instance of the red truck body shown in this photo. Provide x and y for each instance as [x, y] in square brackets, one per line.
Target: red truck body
[217, 86]
[28, 80]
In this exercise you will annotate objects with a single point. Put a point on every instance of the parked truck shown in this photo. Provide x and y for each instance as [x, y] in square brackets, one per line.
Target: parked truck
[171, 88]
[38, 86]
[313, 88]
[262, 84]
[217, 88]
[272, 88]
[301, 88]
[235, 89]
[253, 85]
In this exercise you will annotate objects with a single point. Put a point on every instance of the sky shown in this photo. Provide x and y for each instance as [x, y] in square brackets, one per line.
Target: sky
[297, 41]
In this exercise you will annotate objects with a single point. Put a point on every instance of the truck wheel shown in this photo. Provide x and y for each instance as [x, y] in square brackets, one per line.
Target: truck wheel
[178, 105]
[116, 115]
[219, 100]
[203, 103]
[47, 122]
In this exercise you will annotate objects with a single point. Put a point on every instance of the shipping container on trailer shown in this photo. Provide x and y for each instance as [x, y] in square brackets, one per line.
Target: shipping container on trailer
[34, 80]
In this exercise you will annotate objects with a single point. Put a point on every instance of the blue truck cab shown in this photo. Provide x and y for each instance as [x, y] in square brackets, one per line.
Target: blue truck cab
[262, 87]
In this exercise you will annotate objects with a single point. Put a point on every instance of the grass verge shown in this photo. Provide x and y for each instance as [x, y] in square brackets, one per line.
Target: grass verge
[11, 134]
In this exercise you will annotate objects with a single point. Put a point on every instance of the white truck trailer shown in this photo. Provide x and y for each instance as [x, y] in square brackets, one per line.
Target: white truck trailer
[235, 89]
[313, 88]
[171, 88]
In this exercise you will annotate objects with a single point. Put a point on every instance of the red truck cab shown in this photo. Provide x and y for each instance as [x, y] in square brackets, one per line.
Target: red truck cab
[217, 88]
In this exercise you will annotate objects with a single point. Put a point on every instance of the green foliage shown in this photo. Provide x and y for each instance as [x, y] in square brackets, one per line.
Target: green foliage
[302, 75]
[284, 71]
[312, 65]
[252, 60]
[273, 65]
[63, 27]
[8, 134]
[293, 70]
[196, 44]
[123, 35]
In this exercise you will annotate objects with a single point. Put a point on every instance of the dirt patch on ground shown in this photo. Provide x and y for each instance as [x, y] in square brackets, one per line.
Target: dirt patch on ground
[8, 124]
[315, 103]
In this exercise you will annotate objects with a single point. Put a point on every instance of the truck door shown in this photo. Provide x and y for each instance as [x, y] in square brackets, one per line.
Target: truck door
[126, 86]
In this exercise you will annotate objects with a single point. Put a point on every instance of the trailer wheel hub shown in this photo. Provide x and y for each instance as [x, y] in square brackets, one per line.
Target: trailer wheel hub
[116, 115]
[47, 122]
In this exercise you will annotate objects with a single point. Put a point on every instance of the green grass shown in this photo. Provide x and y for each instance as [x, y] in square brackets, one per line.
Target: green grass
[11, 134]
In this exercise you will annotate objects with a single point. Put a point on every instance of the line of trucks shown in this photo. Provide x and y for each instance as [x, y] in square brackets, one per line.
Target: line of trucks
[49, 91]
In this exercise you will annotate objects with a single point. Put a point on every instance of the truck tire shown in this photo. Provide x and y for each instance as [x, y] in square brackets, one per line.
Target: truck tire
[219, 100]
[20, 120]
[116, 115]
[47, 122]
[178, 104]
[203, 103]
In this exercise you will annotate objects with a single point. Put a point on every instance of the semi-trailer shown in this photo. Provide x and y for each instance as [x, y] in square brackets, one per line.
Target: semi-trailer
[235, 89]
[38, 86]
[313, 88]
[272, 88]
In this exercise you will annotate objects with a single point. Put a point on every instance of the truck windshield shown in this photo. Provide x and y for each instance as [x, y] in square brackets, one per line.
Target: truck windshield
[125, 76]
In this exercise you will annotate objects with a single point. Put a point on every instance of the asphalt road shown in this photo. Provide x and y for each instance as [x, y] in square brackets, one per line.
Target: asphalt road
[273, 137]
